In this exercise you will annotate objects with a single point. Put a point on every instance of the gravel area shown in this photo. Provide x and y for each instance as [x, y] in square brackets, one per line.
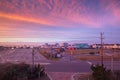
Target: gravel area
[82, 76]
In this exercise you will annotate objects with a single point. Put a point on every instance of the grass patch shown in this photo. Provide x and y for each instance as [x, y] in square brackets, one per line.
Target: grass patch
[96, 57]
[49, 56]
[84, 51]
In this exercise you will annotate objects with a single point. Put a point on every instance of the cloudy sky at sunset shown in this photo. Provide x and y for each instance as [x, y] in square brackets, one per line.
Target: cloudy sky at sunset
[59, 20]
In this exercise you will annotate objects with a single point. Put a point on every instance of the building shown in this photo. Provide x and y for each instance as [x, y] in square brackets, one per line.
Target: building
[64, 45]
[81, 45]
[107, 46]
[1, 48]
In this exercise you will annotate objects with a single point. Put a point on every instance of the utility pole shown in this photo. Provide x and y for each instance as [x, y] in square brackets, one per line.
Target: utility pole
[101, 38]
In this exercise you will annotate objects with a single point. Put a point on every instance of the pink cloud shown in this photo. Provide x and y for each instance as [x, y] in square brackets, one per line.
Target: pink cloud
[60, 12]
[112, 7]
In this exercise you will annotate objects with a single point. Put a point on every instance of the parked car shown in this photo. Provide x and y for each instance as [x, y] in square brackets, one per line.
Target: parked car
[58, 55]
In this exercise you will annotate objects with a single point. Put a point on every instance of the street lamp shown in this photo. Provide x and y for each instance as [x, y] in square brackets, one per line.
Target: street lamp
[112, 62]
[33, 52]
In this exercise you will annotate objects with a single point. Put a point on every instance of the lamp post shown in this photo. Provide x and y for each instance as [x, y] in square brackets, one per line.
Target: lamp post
[112, 62]
[33, 52]
[71, 52]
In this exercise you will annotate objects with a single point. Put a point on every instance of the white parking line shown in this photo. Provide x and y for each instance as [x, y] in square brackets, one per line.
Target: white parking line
[90, 63]
[43, 63]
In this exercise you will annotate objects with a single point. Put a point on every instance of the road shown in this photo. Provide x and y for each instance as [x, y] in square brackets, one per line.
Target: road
[68, 67]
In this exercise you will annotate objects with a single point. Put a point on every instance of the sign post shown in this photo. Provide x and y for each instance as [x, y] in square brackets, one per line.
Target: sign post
[33, 52]
[71, 53]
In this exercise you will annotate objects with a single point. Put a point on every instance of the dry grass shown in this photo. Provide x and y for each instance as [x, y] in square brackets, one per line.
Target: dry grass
[92, 57]
[83, 51]
[79, 54]
[80, 51]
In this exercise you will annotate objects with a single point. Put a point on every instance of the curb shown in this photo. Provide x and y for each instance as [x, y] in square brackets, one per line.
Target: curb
[72, 77]
[49, 76]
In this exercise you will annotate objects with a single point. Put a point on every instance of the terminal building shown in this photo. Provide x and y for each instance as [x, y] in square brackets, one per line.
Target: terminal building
[80, 46]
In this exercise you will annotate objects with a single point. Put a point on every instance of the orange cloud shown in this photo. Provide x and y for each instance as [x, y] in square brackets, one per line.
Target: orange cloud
[12, 32]
[21, 18]
[56, 13]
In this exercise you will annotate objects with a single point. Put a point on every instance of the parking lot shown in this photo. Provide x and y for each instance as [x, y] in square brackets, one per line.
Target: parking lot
[21, 55]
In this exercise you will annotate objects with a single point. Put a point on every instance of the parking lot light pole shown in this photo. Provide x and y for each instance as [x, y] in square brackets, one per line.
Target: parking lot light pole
[33, 52]
[112, 62]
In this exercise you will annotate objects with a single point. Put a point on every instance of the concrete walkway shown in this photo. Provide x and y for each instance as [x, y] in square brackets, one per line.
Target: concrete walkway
[60, 75]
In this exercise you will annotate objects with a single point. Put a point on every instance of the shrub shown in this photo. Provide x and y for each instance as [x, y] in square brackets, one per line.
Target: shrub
[117, 74]
[101, 73]
[15, 71]
[36, 71]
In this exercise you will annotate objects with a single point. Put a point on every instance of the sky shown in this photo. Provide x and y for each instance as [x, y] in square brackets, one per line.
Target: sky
[59, 21]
